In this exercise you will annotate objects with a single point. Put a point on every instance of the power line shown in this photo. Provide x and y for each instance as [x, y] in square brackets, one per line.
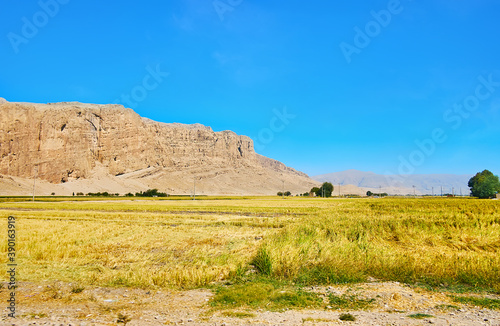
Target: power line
[34, 181]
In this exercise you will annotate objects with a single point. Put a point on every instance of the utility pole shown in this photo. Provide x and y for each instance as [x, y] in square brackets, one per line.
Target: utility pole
[453, 191]
[34, 181]
[194, 188]
[414, 193]
[441, 191]
[283, 193]
[432, 191]
[339, 190]
[380, 191]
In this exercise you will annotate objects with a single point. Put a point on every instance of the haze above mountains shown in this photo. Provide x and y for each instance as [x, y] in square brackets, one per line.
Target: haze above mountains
[400, 184]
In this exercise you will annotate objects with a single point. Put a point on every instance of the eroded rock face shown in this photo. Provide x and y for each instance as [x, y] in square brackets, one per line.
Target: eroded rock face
[65, 141]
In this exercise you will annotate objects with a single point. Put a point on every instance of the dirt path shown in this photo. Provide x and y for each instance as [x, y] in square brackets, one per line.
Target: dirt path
[64, 304]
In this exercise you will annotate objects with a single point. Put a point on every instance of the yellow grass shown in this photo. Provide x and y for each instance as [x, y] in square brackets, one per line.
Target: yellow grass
[185, 243]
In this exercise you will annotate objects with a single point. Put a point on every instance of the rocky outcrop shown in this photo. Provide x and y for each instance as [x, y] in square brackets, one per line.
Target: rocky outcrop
[63, 142]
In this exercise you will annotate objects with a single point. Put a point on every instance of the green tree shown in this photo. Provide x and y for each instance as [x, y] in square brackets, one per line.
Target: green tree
[314, 190]
[151, 193]
[369, 193]
[484, 184]
[325, 190]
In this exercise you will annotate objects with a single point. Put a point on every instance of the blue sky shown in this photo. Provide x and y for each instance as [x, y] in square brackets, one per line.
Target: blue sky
[361, 83]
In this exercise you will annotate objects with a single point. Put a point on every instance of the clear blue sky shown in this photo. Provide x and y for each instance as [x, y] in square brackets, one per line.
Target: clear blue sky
[232, 64]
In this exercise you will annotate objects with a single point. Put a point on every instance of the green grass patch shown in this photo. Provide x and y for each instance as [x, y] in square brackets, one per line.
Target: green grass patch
[420, 316]
[322, 274]
[238, 314]
[262, 293]
[317, 320]
[459, 288]
[480, 302]
[347, 317]
[350, 302]
[446, 307]
[35, 315]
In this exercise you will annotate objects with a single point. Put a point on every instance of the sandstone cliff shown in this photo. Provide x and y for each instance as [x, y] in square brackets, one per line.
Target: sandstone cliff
[89, 147]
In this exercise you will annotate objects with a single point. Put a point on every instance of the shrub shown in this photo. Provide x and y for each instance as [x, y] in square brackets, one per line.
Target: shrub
[347, 317]
[262, 262]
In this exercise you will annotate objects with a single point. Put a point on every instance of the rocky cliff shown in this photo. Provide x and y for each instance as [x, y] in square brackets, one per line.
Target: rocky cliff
[66, 143]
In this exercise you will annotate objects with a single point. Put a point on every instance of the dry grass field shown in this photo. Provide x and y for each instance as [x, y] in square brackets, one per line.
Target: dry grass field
[171, 243]
[186, 244]
[259, 252]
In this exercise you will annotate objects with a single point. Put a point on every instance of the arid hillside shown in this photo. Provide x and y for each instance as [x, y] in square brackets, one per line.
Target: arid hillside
[75, 147]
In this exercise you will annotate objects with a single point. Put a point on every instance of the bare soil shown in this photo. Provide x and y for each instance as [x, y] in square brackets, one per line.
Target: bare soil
[62, 304]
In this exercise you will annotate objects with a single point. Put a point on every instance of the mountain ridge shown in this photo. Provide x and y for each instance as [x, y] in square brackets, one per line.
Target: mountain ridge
[69, 144]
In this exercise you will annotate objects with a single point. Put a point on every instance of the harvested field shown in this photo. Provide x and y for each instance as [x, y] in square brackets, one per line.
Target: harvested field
[245, 258]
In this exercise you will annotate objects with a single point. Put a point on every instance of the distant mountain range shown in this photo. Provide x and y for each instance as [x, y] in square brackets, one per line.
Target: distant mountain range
[400, 184]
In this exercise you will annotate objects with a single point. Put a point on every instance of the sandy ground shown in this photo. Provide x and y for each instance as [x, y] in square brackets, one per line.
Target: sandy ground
[209, 181]
[207, 184]
[55, 304]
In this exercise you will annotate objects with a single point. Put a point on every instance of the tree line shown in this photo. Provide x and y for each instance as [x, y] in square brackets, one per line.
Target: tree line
[147, 193]
[483, 185]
